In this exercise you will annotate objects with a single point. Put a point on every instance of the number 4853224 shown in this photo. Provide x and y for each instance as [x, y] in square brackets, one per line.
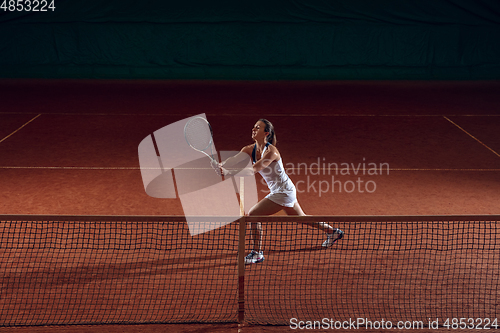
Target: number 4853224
[28, 5]
[470, 323]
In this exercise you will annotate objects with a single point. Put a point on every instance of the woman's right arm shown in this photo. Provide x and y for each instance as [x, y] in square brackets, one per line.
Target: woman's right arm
[239, 163]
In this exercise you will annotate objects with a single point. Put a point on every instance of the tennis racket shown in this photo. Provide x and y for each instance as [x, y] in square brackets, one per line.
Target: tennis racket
[198, 134]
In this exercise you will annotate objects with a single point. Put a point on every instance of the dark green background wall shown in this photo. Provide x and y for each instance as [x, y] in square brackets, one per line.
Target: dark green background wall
[272, 39]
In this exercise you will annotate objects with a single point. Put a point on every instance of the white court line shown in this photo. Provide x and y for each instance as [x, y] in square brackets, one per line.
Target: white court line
[257, 115]
[75, 168]
[17, 130]
[299, 171]
[494, 152]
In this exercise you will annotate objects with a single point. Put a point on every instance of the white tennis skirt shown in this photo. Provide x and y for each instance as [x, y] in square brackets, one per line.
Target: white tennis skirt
[286, 199]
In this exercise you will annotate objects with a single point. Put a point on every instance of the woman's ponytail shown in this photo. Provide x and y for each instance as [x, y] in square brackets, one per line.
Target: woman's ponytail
[271, 137]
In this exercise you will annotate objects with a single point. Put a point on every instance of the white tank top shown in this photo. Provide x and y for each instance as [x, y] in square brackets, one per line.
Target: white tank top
[274, 174]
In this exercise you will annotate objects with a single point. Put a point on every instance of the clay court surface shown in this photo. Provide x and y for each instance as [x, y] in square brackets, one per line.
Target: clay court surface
[409, 148]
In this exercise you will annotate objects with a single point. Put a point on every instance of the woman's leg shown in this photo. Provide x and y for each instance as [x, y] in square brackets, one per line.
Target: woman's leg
[297, 210]
[263, 207]
[333, 234]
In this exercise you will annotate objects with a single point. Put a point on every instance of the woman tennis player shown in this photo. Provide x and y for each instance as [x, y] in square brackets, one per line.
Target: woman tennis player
[267, 161]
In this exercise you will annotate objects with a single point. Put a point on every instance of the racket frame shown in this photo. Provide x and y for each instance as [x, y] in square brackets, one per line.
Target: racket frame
[211, 138]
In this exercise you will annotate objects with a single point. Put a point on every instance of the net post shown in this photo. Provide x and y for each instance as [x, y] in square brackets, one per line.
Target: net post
[241, 256]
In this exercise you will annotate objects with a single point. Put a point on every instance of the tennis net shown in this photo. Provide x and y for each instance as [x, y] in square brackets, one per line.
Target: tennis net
[60, 270]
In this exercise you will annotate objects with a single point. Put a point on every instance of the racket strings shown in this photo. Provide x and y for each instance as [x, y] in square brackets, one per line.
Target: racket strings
[198, 134]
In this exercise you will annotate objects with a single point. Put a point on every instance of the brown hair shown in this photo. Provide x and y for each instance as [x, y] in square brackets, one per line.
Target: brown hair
[271, 137]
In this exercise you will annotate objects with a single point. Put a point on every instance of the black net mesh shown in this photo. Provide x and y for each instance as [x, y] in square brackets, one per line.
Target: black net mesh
[91, 270]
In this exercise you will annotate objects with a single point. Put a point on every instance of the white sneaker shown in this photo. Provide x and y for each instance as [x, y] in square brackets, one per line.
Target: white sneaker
[254, 257]
[333, 237]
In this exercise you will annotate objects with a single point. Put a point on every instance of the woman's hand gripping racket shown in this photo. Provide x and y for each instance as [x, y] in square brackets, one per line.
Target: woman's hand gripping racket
[198, 134]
